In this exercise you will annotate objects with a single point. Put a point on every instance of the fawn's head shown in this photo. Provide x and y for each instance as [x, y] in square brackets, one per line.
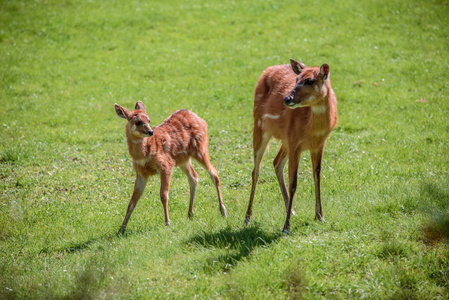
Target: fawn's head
[310, 85]
[138, 120]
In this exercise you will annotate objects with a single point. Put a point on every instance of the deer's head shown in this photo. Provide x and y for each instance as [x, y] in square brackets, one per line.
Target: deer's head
[310, 87]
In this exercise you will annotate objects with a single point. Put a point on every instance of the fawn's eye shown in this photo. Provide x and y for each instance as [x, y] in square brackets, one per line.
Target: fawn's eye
[138, 123]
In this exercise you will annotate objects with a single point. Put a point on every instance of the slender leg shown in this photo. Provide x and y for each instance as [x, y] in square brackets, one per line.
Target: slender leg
[204, 160]
[139, 187]
[279, 164]
[193, 182]
[260, 143]
[165, 186]
[293, 162]
[316, 165]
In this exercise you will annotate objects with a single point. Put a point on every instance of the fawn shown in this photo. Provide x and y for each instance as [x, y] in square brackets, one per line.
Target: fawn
[295, 104]
[182, 136]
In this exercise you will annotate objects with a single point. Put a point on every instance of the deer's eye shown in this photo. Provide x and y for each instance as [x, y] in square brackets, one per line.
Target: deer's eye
[309, 82]
[138, 123]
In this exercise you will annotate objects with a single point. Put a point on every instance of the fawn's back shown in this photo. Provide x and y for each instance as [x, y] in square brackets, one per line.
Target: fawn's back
[179, 137]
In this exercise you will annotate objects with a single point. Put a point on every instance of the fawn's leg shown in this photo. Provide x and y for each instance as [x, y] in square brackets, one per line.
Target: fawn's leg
[192, 176]
[204, 160]
[165, 186]
[139, 187]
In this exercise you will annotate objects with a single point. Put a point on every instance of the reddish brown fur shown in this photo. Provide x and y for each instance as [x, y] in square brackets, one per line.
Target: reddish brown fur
[179, 138]
[300, 110]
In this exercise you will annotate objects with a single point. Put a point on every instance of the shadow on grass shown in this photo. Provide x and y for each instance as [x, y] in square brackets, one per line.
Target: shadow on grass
[436, 195]
[91, 278]
[74, 247]
[92, 281]
[436, 229]
[239, 245]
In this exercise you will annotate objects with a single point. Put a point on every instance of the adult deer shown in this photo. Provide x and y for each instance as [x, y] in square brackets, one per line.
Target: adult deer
[179, 138]
[295, 104]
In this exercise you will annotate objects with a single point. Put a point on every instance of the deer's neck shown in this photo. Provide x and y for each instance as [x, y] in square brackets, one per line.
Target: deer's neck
[323, 114]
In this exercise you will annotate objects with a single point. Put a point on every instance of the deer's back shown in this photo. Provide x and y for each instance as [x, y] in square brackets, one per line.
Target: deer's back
[270, 112]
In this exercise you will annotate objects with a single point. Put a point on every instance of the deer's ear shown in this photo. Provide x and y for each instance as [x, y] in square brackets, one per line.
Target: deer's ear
[122, 112]
[324, 71]
[297, 66]
[141, 106]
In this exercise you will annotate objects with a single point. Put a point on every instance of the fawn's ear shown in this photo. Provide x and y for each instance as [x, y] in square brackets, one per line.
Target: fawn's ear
[324, 71]
[141, 106]
[122, 112]
[297, 66]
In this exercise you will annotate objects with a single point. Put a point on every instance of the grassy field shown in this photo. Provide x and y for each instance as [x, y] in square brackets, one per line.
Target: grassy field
[66, 176]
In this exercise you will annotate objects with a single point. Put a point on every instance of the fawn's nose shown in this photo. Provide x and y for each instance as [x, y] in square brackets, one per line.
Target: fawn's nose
[150, 132]
[288, 100]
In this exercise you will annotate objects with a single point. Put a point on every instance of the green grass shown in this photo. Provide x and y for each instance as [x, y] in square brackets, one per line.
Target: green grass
[66, 177]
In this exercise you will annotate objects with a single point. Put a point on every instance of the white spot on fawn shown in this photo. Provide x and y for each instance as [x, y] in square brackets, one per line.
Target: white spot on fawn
[140, 162]
[274, 117]
[259, 123]
[316, 88]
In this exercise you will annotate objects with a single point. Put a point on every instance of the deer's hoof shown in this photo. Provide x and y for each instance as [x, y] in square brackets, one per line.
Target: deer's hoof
[319, 218]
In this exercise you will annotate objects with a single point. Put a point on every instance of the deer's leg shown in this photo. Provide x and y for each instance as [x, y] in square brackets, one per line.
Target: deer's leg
[165, 186]
[316, 165]
[192, 176]
[260, 142]
[139, 187]
[204, 160]
[293, 163]
[279, 164]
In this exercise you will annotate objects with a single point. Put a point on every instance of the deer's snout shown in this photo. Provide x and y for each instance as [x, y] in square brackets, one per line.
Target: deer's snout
[150, 132]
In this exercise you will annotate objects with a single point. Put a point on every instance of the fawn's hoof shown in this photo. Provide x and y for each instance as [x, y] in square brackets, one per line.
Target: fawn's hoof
[224, 214]
[247, 220]
[286, 231]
